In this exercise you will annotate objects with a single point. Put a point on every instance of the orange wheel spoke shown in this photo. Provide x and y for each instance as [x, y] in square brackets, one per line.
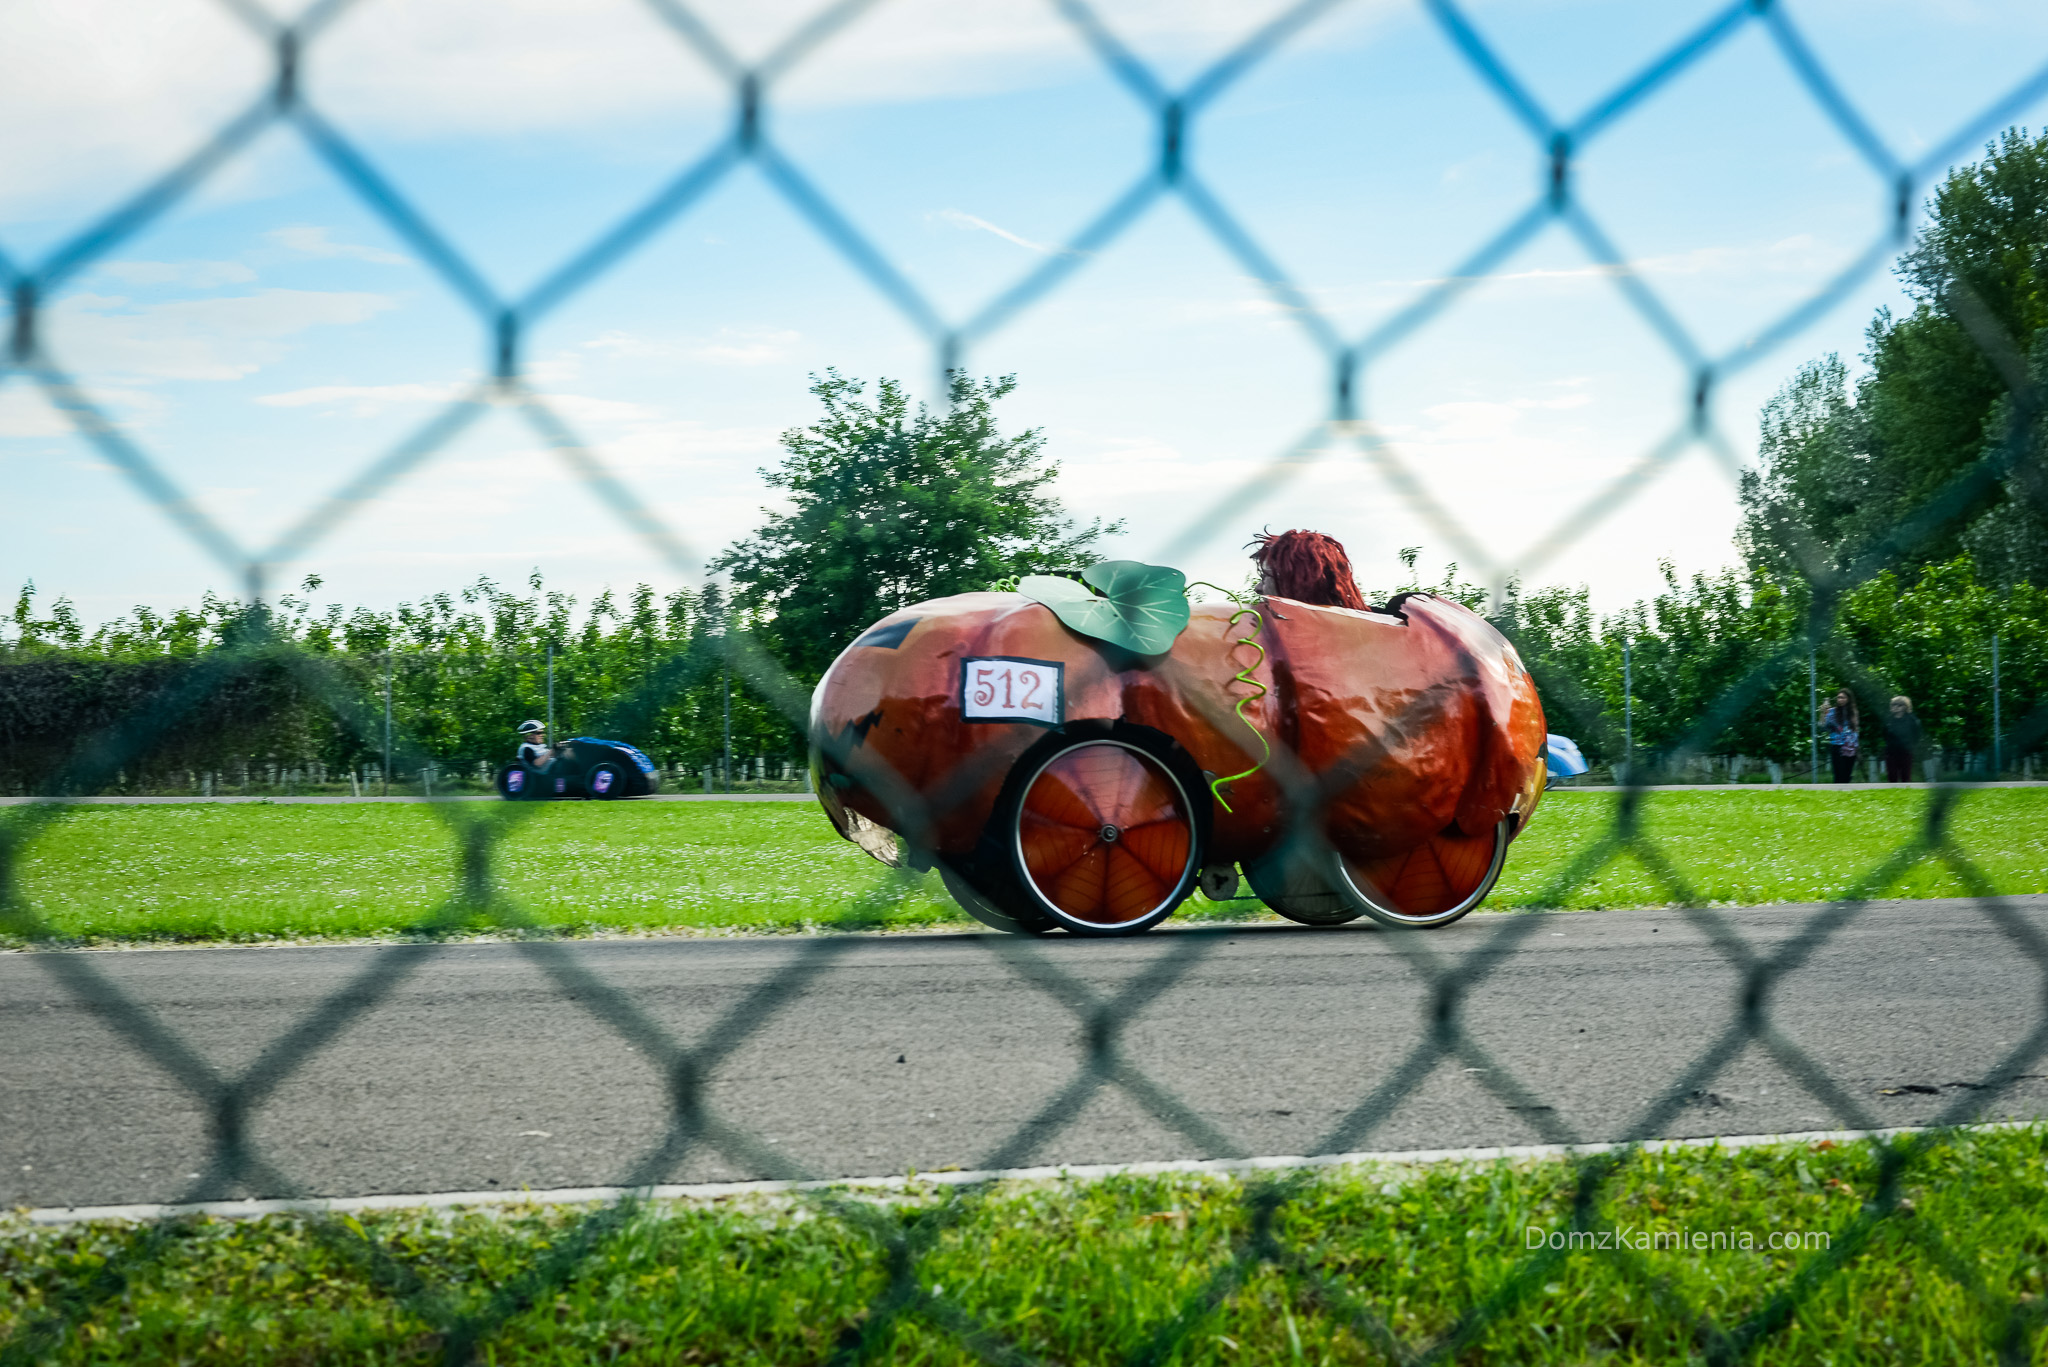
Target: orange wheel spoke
[1132, 889]
[1080, 889]
[1160, 847]
[1104, 834]
[1055, 799]
[1433, 877]
[1049, 848]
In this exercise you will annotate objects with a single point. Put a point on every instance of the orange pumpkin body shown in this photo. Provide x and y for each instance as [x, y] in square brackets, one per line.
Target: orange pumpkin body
[1416, 734]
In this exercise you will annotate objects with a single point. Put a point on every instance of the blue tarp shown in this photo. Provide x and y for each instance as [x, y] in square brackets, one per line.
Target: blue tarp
[1561, 754]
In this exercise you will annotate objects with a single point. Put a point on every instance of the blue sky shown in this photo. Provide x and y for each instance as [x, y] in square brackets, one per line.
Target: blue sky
[270, 335]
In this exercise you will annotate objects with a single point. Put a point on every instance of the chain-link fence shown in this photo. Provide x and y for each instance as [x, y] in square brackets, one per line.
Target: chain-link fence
[232, 1101]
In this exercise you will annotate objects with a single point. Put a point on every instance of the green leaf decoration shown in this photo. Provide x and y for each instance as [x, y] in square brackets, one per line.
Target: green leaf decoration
[1141, 607]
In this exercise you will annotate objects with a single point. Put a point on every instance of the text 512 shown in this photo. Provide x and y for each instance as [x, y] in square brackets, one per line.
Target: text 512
[1000, 688]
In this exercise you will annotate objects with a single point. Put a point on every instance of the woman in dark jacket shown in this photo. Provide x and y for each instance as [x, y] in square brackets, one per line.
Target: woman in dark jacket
[1901, 741]
[1840, 723]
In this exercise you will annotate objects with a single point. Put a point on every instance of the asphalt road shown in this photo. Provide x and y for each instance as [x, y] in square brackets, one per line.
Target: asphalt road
[472, 1067]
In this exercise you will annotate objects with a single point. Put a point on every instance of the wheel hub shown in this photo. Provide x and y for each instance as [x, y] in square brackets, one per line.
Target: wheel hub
[1109, 834]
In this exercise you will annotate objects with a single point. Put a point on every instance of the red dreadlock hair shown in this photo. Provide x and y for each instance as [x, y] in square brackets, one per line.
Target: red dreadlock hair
[1308, 567]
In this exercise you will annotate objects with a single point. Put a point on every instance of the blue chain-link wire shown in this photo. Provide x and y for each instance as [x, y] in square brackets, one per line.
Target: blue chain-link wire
[231, 1101]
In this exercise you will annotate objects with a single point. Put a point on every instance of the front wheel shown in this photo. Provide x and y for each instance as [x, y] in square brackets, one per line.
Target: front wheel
[1102, 834]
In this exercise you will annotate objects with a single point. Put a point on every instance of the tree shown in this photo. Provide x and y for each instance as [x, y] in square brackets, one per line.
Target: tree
[1800, 505]
[1846, 478]
[892, 507]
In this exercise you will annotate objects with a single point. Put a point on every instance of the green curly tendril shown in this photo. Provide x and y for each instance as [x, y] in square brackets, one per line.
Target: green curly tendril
[1243, 676]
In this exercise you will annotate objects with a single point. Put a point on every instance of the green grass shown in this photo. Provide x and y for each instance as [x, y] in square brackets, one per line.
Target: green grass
[1101, 1271]
[257, 871]
[246, 872]
[1746, 846]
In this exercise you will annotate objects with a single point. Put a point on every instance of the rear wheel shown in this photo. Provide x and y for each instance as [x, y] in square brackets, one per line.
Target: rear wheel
[1103, 834]
[515, 783]
[1432, 884]
[605, 781]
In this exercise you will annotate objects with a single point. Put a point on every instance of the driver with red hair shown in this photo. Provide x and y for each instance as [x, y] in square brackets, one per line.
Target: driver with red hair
[1307, 567]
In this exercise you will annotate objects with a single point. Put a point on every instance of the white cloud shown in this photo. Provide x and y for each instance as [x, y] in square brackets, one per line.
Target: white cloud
[1471, 421]
[586, 410]
[198, 275]
[1801, 253]
[1141, 447]
[747, 346]
[1559, 401]
[310, 240]
[196, 339]
[731, 346]
[554, 371]
[101, 93]
[631, 345]
[963, 220]
[625, 434]
[364, 400]
[24, 413]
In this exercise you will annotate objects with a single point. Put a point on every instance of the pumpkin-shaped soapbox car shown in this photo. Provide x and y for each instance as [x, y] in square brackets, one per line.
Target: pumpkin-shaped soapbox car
[1079, 759]
[587, 766]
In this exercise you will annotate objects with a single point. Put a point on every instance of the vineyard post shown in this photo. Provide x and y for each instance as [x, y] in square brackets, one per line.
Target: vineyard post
[1997, 721]
[1812, 715]
[387, 723]
[551, 692]
[1628, 708]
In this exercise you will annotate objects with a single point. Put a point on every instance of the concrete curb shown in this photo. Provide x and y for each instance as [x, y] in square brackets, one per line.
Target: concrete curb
[717, 1191]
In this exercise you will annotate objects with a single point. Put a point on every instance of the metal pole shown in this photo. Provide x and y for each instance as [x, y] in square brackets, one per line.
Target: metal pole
[551, 692]
[1628, 707]
[725, 771]
[1813, 715]
[1997, 756]
[387, 723]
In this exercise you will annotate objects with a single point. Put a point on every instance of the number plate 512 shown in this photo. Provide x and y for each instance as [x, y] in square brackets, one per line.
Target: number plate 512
[1004, 688]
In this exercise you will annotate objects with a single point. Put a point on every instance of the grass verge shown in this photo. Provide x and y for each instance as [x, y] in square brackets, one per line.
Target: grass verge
[255, 871]
[1167, 1269]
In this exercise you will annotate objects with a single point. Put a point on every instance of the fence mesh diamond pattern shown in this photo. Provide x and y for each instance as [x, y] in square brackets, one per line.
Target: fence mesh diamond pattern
[232, 1101]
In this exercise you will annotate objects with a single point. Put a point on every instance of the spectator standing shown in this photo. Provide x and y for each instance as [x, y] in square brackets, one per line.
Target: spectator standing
[1901, 741]
[1840, 722]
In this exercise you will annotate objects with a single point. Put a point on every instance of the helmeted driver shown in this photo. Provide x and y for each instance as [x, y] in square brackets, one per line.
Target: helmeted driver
[534, 751]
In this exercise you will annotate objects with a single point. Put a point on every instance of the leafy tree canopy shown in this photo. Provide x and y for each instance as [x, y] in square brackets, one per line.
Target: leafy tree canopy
[893, 506]
[1847, 469]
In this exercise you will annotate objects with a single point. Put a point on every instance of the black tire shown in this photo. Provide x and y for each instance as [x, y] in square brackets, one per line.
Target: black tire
[1292, 885]
[985, 909]
[517, 784]
[1171, 775]
[1301, 891]
[1389, 915]
[606, 782]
